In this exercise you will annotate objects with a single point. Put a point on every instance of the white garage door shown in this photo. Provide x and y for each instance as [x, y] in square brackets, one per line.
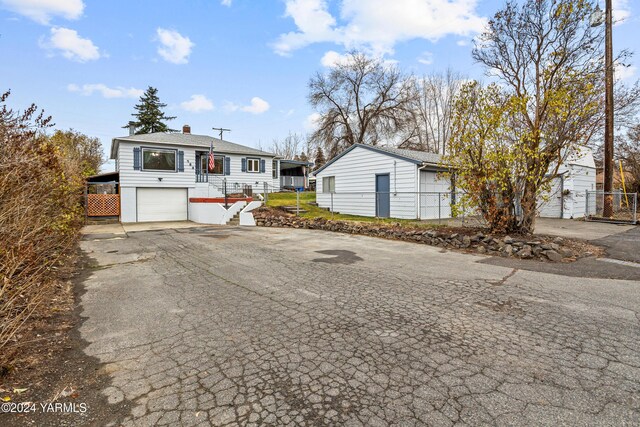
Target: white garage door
[550, 204]
[162, 204]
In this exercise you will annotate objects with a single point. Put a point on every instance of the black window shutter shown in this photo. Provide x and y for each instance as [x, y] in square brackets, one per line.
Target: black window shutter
[180, 161]
[227, 165]
[136, 158]
[244, 164]
[262, 165]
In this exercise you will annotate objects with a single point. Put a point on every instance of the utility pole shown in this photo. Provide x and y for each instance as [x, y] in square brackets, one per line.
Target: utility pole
[596, 20]
[608, 108]
[221, 130]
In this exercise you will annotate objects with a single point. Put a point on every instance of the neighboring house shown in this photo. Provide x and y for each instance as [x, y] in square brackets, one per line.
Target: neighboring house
[292, 174]
[568, 195]
[160, 172]
[399, 183]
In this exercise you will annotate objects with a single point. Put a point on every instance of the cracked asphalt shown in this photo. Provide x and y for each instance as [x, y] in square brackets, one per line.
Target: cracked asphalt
[229, 326]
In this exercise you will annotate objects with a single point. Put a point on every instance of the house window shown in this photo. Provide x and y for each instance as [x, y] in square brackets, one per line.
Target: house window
[154, 159]
[253, 165]
[274, 169]
[329, 184]
[218, 168]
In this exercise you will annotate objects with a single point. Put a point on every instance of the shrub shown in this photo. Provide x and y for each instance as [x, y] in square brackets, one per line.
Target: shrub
[41, 214]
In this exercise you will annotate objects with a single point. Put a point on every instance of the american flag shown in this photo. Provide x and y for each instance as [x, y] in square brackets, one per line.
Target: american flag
[211, 162]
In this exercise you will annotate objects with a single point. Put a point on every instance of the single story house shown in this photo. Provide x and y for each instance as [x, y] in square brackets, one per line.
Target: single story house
[391, 182]
[167, 176]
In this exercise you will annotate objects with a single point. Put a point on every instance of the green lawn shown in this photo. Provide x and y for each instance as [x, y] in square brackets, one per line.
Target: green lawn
[306, 197]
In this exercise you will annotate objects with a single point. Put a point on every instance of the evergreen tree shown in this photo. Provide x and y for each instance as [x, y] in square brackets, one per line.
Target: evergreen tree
[320, 160]
[303, 157]
[149, 115]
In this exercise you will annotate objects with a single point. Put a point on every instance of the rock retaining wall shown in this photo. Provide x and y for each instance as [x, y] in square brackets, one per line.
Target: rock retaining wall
[551, 249]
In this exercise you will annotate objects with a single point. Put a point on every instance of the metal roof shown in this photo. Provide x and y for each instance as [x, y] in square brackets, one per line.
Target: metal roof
[188, 140]
[421, 158]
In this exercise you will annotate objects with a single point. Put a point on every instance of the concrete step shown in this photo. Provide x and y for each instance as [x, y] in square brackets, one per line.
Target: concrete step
[235, 220]
[293, 209]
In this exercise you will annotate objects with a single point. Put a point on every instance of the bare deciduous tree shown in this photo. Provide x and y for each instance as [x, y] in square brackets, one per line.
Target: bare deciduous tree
[433, 111]
[288, 147]
[361, 100]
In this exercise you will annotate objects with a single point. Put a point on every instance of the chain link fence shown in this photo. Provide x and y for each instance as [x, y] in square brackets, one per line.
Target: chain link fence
[613, 206]
[440, 207]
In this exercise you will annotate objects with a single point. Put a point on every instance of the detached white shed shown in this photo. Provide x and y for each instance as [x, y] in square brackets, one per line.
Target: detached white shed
[567, 196]
[385, 182]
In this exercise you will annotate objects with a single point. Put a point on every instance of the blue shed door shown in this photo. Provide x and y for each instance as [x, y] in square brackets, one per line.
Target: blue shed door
[383, 198]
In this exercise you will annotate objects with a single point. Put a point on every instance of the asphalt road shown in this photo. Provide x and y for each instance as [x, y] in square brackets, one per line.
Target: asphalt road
[228, 326]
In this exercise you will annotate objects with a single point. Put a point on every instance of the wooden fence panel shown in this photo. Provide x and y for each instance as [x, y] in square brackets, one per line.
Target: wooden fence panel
[103, 204]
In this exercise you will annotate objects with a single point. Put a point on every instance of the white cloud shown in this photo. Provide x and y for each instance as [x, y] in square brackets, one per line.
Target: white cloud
[377, 25]
[312, 121]
[426, 58]
[226, 2]
[621, 11]
[174, 47]
[71, 45]
[462, 42]
[42, 11]
[105, 91]
[333, 58]
[197, 104]
[257, 106]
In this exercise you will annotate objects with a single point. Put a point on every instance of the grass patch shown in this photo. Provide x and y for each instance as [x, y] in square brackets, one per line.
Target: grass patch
[307, 197]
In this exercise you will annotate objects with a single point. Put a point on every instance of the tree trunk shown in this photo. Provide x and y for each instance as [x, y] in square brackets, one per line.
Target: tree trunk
[529, 205]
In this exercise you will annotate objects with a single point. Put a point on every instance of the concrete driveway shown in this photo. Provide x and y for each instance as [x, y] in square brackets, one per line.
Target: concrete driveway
[227, 326]
[579, 229]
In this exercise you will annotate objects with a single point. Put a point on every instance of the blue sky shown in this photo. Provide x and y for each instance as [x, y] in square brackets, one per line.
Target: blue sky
[238, 64]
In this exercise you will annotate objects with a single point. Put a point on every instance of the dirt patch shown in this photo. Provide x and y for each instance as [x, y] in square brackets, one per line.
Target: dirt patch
[50, 367]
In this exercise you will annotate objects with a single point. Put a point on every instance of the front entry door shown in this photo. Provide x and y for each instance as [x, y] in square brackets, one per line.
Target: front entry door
[383, 198]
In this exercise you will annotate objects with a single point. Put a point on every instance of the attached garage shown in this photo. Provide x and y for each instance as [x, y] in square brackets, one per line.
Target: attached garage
[162, 204]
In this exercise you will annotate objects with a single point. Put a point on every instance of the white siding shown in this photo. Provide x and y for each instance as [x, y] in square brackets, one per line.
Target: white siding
[583, 179]
[355, 184]
[550, 202]
[237, 178]
[139, 178]
[578, 179]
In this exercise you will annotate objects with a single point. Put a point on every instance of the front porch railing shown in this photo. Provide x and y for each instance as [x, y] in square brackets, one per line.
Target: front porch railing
[292, 182]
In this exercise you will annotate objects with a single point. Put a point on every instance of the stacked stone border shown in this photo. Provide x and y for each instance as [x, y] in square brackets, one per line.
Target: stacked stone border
[546, 248]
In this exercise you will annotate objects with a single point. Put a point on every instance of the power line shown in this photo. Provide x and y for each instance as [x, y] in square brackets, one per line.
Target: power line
[221, 131]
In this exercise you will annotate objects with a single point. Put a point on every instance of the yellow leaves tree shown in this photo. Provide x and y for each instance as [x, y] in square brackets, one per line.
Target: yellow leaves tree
[543, 108]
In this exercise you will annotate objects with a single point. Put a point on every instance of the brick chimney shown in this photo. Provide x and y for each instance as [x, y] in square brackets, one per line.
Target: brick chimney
[186, 129]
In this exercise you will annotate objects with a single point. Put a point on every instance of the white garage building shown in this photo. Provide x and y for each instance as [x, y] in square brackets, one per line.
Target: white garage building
[383, 181]
[390, 182]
